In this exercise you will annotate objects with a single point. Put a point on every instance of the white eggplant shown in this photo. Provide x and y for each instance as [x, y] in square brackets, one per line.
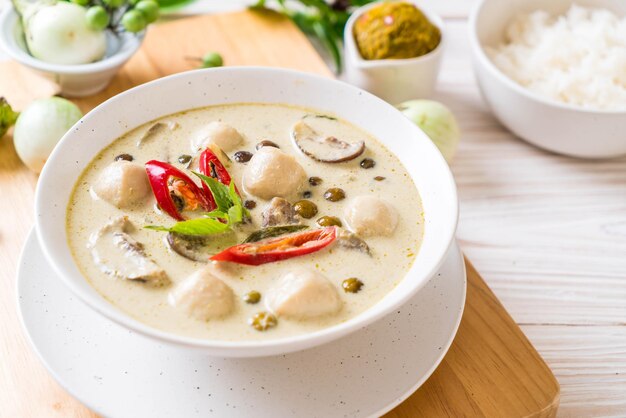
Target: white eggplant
[57, 32]
[40, 126]
[437, 121]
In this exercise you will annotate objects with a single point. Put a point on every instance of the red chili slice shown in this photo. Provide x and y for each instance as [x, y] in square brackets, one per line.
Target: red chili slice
[169, 183]
[279, 248]
[210, 165]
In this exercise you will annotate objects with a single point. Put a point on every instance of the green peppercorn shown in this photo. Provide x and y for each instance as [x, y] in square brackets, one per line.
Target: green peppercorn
[352, 285]
[242, 156]
[124, 157]
[305, 208]
[266, 143]
[252, 297]
[184, 159]
[367, 163]
[334, 194]
[329, 221]
[315, 181]
[263, 320]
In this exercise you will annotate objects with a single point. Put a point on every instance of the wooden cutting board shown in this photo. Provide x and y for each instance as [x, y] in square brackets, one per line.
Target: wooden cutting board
[491, 369]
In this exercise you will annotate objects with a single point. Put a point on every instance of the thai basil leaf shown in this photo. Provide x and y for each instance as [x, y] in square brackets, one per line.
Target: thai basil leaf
[219, 191]
[216, 214]
[198, 226]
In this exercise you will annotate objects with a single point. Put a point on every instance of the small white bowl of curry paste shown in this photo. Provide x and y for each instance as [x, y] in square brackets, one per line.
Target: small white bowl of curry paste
[393, 49]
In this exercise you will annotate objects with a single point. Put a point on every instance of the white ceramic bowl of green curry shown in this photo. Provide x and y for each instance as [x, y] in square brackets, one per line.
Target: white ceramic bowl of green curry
[339, 156]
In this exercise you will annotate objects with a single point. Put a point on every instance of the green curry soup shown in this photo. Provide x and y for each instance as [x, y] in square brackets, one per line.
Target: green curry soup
[333, 221]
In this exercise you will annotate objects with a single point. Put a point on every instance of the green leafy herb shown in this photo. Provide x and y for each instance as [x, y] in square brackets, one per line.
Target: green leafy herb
[7, 116]
[230, 211]
[242, 212]
[198, 226]
[219, 191]
[324, 20]
[273, 231]
[216, 214]
[235, 214]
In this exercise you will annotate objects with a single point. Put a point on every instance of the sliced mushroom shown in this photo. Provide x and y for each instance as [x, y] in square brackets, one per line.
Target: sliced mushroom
[199, 248]
[351, 241]
[155, 130]
[192, 247]
[326, 149]
[118, 254]
[279, 212]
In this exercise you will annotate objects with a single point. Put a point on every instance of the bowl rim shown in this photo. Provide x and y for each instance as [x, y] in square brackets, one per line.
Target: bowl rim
[479, 52]
[285, 344]
[9, 18]
[352, 49]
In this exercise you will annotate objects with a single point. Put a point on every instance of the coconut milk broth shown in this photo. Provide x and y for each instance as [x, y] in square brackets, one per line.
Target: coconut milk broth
[390, 260]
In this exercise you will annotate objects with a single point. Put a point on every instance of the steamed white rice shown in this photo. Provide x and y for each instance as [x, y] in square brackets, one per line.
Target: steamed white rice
[577, 58]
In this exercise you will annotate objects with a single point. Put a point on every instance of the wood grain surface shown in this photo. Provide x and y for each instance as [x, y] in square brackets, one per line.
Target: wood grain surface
[491, 370]
[548, 234]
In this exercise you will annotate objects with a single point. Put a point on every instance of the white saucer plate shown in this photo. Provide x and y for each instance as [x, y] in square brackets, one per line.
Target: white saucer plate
[118, 373]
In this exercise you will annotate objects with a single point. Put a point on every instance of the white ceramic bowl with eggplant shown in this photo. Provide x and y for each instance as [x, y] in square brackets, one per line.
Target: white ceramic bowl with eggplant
[201, 88]
[547, 123]
[76, 80]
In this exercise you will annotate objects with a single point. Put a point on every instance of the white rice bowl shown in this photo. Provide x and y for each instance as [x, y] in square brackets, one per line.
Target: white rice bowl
[578, 58]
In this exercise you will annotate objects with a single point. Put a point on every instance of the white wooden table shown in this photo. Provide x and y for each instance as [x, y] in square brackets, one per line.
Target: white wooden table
[548, 234]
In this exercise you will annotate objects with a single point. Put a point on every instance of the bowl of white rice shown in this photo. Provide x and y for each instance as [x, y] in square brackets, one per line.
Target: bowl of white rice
[554, 71]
